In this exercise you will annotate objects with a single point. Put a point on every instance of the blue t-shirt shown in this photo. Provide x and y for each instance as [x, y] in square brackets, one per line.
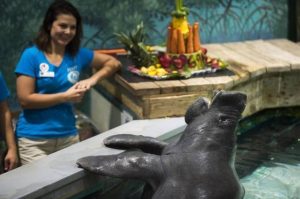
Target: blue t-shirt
[58, 120]
[4, 92]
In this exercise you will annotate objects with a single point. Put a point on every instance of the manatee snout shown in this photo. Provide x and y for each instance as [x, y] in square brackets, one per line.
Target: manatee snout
[233, 99]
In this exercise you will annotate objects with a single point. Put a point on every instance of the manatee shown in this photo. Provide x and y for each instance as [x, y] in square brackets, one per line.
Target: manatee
[200, 164]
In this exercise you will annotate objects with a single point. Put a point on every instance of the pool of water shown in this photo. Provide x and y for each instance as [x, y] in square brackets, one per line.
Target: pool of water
[267, 158]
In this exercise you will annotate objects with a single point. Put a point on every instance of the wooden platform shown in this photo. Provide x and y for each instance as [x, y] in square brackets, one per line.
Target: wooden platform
[267, 70]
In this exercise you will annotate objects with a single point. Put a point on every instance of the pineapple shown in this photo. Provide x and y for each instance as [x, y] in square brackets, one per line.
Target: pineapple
[179, 18]
[134, 44]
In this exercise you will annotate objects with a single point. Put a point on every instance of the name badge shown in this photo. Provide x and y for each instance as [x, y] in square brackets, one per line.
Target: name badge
[44, 70]
[47, 74]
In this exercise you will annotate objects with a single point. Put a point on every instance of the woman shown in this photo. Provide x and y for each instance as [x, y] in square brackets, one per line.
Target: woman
[11, 157]
[47, 82]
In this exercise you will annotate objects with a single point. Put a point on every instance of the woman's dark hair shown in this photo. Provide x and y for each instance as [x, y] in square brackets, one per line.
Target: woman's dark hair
[58, 7]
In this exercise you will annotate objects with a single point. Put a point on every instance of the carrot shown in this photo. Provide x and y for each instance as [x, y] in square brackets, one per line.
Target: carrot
[196, 37]
[199, 35]
[190, 46]
[169, 39]
[174, 41]
[112, 51]
[181, 44]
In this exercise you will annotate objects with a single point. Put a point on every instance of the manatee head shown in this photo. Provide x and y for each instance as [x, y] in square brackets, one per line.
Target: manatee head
[230, 102]
[213, 125]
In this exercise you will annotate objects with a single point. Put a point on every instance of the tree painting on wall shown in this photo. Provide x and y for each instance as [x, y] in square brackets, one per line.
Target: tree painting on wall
[220, 20]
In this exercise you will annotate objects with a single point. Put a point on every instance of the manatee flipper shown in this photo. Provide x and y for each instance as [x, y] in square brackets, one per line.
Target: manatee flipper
[129, 164]
[200, 106]
[128, 141]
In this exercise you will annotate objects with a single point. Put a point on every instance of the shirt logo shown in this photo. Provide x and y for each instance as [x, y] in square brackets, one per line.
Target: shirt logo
[73, 76]
[44, 71]
[44, 67]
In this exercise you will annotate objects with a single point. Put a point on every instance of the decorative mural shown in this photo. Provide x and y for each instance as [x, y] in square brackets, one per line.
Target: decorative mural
[220, 21]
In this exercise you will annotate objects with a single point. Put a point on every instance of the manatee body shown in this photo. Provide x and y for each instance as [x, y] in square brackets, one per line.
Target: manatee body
[200, 164]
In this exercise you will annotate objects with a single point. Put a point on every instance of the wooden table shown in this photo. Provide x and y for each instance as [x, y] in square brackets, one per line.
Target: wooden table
[267, 70]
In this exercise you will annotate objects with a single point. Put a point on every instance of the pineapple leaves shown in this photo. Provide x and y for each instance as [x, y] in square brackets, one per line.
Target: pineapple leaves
[134, 44]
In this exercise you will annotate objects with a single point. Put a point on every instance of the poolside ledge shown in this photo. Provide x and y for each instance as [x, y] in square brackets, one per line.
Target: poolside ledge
[57, 176]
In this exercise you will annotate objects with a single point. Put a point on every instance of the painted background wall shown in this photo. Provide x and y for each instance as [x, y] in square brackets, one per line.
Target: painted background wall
[220, 21]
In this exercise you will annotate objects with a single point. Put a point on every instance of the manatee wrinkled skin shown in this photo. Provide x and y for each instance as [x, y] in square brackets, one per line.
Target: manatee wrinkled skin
[200, 164]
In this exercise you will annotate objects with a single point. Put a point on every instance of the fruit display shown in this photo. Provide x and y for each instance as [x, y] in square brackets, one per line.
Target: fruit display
[182, 57]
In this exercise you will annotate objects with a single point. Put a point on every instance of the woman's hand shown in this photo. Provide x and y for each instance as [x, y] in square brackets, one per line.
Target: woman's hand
[105, 65]
[87, 83]
[75, 93]
[11, 160]
[31, 100]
